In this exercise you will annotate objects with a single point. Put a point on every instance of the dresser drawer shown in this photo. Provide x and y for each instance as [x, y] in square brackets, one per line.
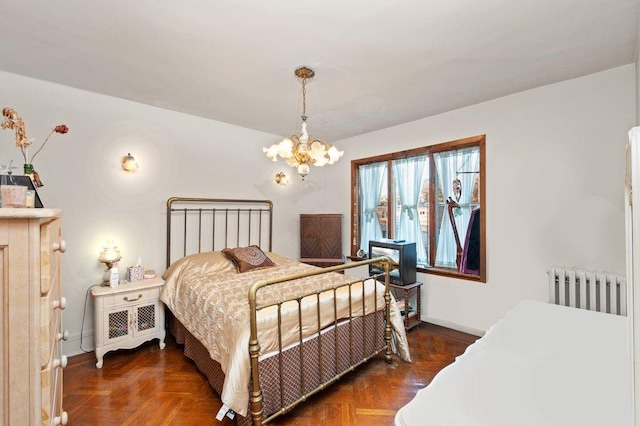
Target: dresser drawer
[50, 335]
[128, 297]
[51, 248]
[51, 307]
[59, 416]
[51, 380]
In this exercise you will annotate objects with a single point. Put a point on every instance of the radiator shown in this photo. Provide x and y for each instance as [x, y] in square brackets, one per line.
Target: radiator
[591, 290]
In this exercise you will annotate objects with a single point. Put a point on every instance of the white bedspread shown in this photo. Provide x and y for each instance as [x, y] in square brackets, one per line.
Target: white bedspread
[214, 308]
[542, 365]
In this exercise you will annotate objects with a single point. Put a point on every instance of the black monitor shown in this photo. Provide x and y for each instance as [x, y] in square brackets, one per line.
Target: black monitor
[401, 252]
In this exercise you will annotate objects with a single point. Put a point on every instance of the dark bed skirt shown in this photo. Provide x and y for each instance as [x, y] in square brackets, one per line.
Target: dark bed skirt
[319, 350]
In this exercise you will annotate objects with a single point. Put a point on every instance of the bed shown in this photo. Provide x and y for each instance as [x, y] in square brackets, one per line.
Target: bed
[541, 364]
[267, 331]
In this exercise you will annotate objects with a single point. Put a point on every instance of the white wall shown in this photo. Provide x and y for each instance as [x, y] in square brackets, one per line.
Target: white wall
[179, 155]
[555, 159]
[637, 80]
[554, 183]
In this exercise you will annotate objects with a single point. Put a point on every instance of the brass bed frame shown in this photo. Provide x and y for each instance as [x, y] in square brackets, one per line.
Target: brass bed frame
[208, 224]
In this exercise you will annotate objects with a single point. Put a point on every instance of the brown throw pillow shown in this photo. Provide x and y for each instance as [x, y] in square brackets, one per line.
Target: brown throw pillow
[248, 258]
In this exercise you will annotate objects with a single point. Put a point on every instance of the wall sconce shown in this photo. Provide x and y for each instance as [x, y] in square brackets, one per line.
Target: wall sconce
[281, 178]
[129, 163]
[110, 255]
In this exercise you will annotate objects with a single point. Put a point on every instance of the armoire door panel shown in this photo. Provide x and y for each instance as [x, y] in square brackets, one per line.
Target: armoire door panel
[321, 236]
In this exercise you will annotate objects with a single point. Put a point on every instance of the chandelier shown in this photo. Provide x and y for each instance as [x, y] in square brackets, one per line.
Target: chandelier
[304, 150]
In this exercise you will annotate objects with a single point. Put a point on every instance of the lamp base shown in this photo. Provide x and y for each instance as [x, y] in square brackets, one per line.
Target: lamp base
[106, 275]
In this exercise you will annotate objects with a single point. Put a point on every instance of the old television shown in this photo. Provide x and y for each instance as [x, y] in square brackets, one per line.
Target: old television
[402, 253]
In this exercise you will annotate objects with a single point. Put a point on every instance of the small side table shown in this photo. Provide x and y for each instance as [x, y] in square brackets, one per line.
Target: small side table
[411, 317]
[127, 316]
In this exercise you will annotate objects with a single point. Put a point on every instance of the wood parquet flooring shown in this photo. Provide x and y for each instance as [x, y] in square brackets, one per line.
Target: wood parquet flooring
[149, 386]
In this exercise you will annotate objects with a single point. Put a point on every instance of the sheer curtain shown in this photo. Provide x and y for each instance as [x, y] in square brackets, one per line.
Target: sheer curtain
[408, 174]
[449, 165]
[372, 178]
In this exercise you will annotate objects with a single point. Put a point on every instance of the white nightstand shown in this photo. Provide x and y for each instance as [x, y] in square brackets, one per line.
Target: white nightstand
[127, 316]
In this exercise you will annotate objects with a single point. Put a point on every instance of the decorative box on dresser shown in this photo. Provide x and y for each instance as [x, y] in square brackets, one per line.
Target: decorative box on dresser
[321, 239]
[31, 359]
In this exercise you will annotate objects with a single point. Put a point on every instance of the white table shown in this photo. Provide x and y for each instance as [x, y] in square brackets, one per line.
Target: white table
[127, 316]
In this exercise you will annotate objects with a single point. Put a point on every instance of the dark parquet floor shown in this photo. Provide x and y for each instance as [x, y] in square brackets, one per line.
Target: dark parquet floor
[149, 386]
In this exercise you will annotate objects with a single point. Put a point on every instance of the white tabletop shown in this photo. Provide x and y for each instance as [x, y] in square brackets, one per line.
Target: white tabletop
[99, 290]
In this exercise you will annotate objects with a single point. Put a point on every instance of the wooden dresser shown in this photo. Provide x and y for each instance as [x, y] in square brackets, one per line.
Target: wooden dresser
[321, 239]
[31, 359]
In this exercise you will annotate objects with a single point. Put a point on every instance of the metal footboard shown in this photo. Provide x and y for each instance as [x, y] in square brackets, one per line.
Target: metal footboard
[256, 397]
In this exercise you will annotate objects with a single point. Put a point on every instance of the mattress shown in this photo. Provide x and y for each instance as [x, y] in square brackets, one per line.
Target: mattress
[541, 364]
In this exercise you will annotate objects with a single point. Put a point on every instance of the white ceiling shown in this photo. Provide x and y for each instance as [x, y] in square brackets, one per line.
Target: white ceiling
[378, 63]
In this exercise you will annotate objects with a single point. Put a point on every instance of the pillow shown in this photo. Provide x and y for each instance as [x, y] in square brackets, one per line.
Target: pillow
[278, 259]
[205, 263]
[248, 258]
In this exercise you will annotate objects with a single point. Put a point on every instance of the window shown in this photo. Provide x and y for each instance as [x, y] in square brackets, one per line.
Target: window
[432, 195]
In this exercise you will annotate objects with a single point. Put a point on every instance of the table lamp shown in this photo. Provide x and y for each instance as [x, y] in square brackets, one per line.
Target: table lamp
[110, 255]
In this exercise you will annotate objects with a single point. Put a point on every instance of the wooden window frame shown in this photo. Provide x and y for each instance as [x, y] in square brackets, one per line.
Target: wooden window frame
[474, 141]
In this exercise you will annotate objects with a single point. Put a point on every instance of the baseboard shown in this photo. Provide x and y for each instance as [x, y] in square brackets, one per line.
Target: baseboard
[453, 326]
[72, 347]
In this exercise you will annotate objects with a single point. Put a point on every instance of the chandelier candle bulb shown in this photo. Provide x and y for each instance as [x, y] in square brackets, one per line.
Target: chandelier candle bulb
[304, 150]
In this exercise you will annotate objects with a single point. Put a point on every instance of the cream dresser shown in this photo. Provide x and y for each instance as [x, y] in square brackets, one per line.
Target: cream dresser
[31, 359]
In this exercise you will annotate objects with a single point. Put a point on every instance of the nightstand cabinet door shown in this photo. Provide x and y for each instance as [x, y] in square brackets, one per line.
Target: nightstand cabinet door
[117, 324]
[146, 318]
[132, 322]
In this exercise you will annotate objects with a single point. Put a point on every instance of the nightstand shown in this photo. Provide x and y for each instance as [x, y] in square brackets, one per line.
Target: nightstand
[127, 316]
[411, 316]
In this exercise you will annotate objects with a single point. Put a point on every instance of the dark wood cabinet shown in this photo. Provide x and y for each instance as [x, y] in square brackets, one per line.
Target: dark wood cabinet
[321, 239]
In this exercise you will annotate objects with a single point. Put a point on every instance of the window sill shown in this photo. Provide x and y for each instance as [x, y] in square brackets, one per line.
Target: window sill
[452, 273]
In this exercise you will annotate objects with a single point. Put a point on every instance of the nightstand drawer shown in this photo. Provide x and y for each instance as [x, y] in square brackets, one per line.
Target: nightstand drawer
[129, 297]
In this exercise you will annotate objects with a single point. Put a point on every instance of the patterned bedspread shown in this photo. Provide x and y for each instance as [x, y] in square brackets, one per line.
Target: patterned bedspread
[214, 308]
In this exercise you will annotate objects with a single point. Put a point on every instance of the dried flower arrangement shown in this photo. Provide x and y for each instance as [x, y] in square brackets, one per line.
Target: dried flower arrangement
[14, 122]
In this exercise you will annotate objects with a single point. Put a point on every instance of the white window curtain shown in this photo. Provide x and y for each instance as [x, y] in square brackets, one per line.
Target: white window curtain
[449, 165]
[408, 174]
[372, 177]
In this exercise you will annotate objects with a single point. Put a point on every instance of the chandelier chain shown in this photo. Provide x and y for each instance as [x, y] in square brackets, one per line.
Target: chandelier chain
[304, 99]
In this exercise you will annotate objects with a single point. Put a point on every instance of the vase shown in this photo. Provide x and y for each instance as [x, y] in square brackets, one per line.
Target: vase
[28, 169]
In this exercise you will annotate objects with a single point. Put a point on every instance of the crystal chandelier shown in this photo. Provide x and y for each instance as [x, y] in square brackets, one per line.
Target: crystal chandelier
[304, 150]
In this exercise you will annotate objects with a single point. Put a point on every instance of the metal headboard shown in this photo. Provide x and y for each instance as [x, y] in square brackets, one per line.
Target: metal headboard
[208, 224]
